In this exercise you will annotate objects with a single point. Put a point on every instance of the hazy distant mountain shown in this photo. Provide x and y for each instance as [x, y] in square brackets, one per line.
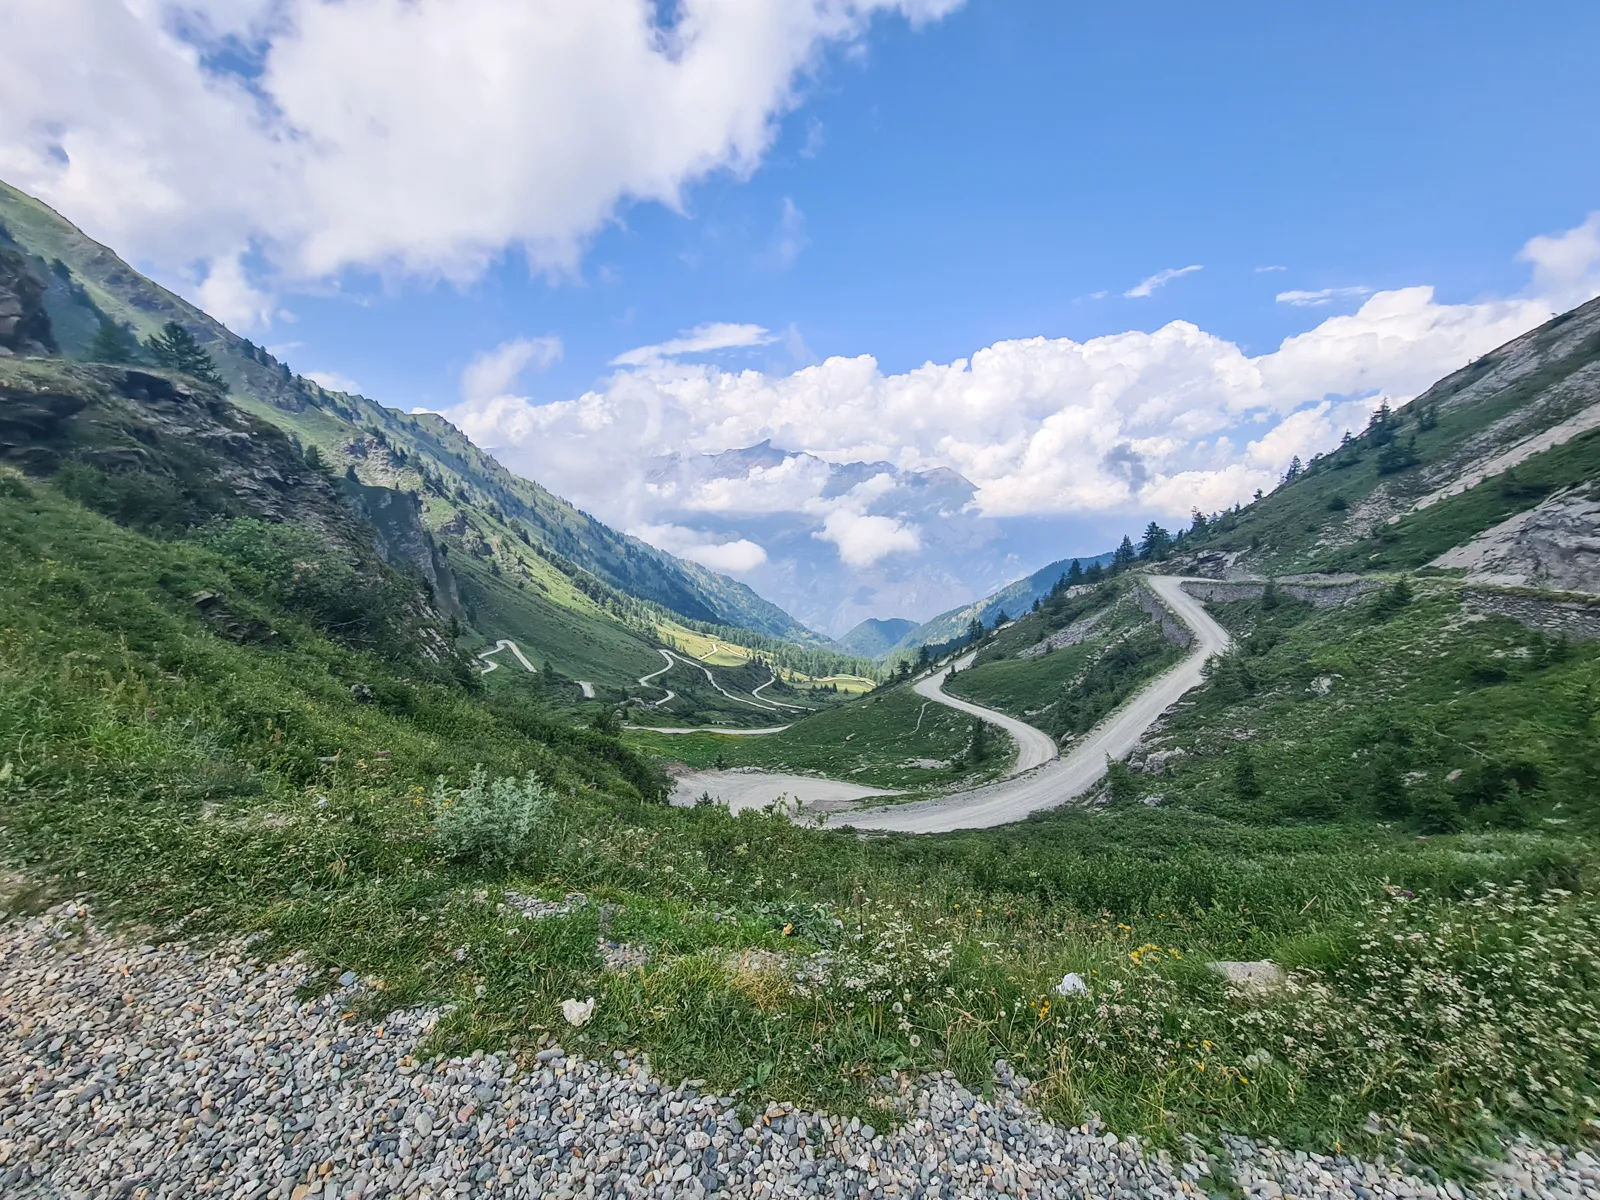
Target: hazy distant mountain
[874, 638]
[1014, 599]
[793, 505]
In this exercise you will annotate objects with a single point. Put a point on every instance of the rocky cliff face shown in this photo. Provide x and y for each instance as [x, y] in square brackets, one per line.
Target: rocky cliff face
[1555, 545]
[24, 324]
[163, 454]
[403, 541]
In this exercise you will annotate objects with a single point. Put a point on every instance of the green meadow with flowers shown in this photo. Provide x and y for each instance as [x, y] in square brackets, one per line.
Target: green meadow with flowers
[1390, 802]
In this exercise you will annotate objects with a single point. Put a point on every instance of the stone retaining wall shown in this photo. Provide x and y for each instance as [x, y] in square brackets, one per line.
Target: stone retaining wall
[1174, 630]
[1576, 620]
[1322, 595]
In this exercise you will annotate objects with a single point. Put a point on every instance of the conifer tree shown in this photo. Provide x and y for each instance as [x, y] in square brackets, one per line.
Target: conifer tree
[979, 750]
[176, 349]
[1157, 542]
[113, 343]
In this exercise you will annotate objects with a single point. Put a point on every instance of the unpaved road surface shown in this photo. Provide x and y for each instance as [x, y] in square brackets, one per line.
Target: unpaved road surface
[1053, 780]
[711, 729]
[740, 790]
[503, 644]
[712, 680]
[1034, 748]
[644, 681]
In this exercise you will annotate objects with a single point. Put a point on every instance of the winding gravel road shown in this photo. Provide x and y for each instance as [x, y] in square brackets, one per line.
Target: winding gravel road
[1042, 779]
[503, 644]
[644, 681]
[1034, 748]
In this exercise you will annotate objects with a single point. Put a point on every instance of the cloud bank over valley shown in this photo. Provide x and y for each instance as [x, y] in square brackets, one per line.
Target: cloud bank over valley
[842, 492]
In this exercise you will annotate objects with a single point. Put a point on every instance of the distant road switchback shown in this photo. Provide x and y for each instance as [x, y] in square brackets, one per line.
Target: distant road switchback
[1042, 778]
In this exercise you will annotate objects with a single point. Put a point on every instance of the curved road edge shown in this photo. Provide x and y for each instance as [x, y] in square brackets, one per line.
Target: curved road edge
[1034, 747]
[1057, 780]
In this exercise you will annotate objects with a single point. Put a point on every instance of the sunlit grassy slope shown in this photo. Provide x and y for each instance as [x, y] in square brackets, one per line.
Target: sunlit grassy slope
[891, 739]
[241, 785]
[1066, 690]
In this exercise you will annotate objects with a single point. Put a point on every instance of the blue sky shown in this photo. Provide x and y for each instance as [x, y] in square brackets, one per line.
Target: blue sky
[979, 178]
[392, 193]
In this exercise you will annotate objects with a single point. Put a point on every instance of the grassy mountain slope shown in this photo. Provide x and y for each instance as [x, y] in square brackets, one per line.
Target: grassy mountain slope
[1435, 472]
[1067, 689]
[874, 638]
[222, 710]
[87, 283]
[199, 780]
[1013, 599]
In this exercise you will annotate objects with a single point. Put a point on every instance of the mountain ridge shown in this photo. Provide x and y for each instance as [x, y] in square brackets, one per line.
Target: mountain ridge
[1013, 599]
[874, 637]
[92, 284]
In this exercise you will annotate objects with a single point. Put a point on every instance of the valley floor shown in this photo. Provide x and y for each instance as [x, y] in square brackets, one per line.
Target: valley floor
[170, 1072]
[739, 790]
[1038, 778]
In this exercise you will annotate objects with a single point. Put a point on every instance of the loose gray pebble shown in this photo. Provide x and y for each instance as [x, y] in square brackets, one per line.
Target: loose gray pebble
[143, 1073]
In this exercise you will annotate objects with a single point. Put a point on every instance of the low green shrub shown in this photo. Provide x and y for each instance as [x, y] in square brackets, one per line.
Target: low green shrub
[491, 822]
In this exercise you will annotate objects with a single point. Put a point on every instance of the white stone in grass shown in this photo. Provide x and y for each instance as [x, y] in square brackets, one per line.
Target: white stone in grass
[1260, 977]
[578, 1012]
[1072, 984]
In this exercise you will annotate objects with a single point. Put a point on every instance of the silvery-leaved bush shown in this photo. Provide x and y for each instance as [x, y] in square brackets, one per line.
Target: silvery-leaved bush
[493, 822]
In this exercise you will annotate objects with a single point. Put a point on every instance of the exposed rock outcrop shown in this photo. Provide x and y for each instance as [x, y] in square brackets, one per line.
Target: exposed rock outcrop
[1070, 636]
[403, 542]
[1554, 545]
[24, 324]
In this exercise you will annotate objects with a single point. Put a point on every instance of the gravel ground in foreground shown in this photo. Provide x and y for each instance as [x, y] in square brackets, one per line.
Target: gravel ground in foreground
[138, 1071]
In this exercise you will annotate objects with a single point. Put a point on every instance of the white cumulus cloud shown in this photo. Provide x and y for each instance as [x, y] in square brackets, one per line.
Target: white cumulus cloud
[492, 373]
[863, 538]
[1139, 422]
[1565, 265]
[735, 556]
[402, 136]
[702, 339]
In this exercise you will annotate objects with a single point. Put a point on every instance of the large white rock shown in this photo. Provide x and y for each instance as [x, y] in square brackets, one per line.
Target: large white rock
[1261, 976]
[578, 1012]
